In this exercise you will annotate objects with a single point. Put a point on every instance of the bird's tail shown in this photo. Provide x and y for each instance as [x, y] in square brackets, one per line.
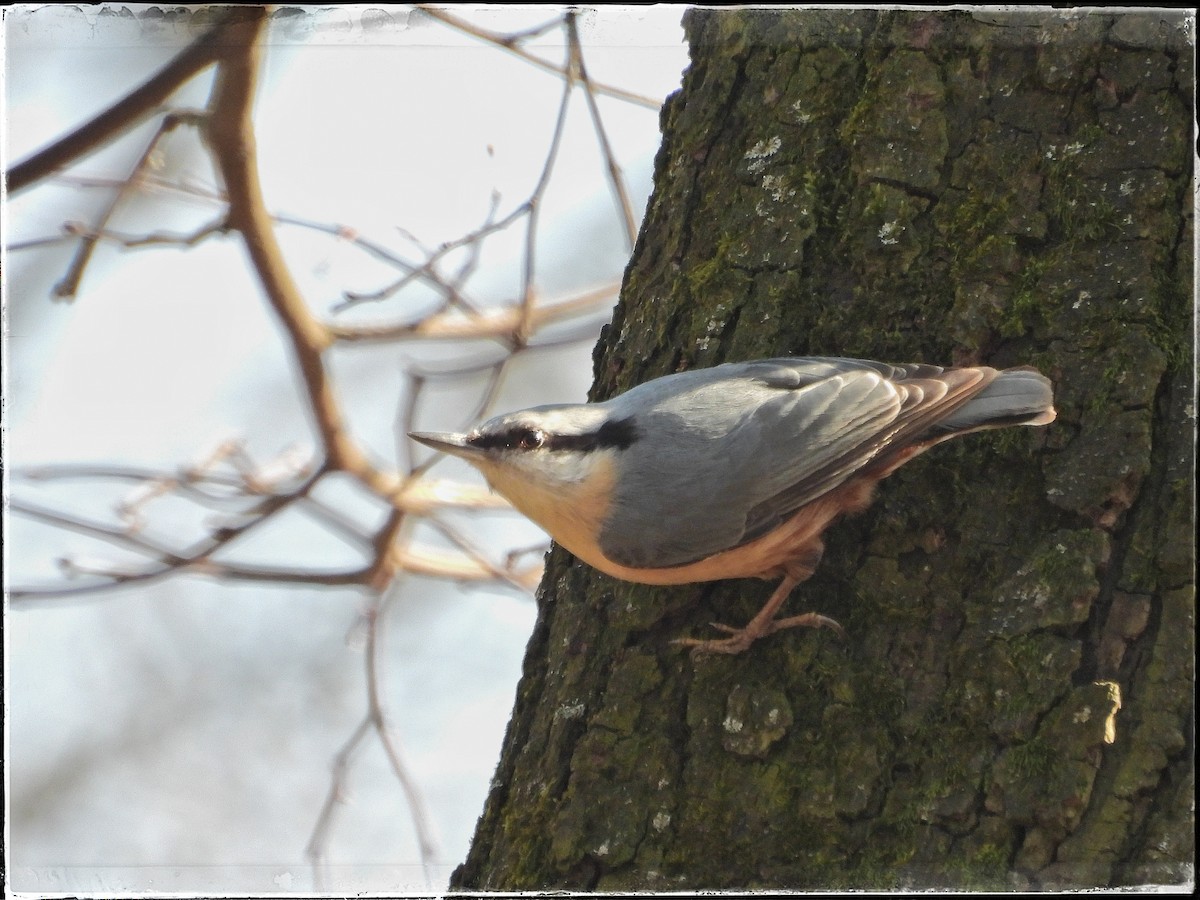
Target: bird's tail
[1019, 396]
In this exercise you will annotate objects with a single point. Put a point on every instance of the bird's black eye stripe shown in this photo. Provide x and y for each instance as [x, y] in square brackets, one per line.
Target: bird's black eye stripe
[619, 434]
[523, 438]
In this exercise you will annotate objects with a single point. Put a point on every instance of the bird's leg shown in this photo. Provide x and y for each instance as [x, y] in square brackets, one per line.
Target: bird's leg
[764, 622]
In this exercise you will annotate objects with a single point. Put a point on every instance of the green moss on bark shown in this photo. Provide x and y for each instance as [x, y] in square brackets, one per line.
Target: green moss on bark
[986, 186]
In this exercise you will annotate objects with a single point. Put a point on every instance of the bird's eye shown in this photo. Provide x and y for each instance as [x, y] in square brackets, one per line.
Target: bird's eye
[530, 439]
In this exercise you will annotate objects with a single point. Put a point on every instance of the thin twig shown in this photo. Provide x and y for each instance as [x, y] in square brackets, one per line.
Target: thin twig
[495, 382]
[500, 573]
[315, 849]
[510, 558]
[512, 38]
[506, 43]
[62, 471]
[69, 285]
[120, 537]
[404, 422]
[346, 233]
[412, 272]
[426, 842]
[196, 559]
[428, 270]
[335, 522]
[503, 324]
[94, 235]
[151, 182]
[524, 325]
[416, 559]
[475, 248]
[615, 177]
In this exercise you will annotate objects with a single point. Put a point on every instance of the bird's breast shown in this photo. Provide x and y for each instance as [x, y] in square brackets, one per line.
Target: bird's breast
[572, 514]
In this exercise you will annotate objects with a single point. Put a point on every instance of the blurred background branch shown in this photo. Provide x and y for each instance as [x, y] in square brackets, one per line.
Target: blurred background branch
[135, 106]
[208, 518]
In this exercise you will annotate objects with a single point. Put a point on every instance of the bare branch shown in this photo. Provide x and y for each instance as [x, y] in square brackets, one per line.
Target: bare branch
[125, 473]
[195, 560]
[198, 481]
[510, 44]
[428, 270]
[615, 176]
[524, 325]
[499, 370]
[120, 537]
[69, 285]
[336, 794]
[424, 273]
[232, 137]
[341, 232]
[241, 496]
[418, 560]
[338, 524]
[518, 580]
[94, 235]
[426, 495]
[376, 721]
[134, 107]
[426, 842]
[503, 324]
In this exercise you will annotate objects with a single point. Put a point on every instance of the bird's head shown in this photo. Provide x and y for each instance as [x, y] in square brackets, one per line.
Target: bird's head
[543, 449]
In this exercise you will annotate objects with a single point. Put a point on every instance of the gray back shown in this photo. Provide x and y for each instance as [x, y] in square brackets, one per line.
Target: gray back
[726, 454]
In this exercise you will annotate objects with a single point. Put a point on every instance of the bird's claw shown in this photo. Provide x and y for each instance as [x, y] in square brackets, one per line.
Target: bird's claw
[728, 629]
[738, 642]
[808, 620]
[741, 638]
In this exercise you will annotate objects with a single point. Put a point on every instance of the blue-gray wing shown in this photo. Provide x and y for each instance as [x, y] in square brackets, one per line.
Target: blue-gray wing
[728, 453]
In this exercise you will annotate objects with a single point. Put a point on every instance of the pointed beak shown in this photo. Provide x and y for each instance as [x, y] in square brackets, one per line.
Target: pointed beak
[446, 442]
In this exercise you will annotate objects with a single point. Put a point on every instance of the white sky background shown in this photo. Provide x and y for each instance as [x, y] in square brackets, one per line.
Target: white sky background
[179, 737]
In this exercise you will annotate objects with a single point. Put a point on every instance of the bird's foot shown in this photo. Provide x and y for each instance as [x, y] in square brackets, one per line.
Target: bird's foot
[741, 638]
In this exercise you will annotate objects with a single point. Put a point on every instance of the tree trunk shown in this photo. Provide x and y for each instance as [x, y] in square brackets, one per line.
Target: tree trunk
[1012, 705]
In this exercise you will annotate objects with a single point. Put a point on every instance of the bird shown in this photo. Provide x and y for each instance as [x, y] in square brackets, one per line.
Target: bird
[734, 471]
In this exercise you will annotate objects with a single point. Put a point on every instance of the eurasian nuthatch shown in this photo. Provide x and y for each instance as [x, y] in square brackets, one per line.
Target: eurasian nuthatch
[733, 471]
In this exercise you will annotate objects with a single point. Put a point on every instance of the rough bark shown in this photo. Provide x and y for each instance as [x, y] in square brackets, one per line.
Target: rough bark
[1013, 705]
